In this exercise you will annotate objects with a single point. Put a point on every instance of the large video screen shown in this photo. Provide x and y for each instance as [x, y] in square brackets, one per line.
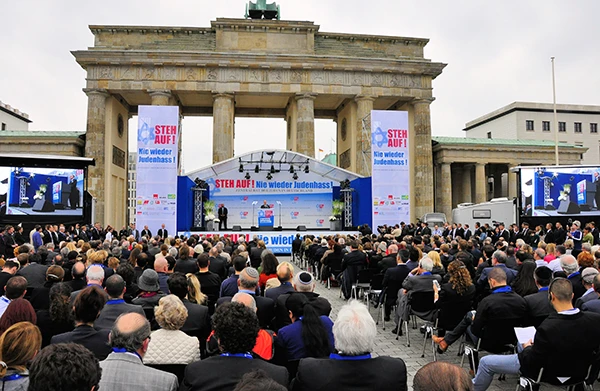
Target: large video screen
[560, 191]
[41, 191]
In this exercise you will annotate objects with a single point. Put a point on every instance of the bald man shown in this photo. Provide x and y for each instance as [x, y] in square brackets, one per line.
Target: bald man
[245, 299]
[285, 275]
[161, 266]
[123, 369]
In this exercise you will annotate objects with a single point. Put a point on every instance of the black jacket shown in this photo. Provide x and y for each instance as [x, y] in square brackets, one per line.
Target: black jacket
[322, 374]
[282, 318]
[218, 265]
[265, 309]
[223, 373]
[186, 266]
[392, 281]
[538, 308]
[387, 262]
[563, 346]
[94, 340]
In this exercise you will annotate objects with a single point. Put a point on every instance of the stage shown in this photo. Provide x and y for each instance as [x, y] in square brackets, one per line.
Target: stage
[14, 210]
[280, 242]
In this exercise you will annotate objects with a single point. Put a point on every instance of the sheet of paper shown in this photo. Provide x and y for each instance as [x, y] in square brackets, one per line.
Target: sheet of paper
[524, 334]
[563, 379]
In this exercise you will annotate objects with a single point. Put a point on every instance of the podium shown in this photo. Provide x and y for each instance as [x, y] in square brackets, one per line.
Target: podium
[265, 218]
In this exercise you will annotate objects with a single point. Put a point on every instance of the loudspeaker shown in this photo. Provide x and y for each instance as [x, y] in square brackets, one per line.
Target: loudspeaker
[236, 228]
[60, 206]
[43, 206]
[549, 207]
[568, 208]
[279, 228]
[301, 228]
[585, 208]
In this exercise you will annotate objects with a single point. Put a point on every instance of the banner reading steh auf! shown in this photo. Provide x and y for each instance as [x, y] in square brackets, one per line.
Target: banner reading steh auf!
[156, 186]
[390, 180]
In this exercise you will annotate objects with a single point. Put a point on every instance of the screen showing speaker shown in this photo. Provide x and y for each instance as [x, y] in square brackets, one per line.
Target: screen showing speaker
[560, 191]
[41, 191]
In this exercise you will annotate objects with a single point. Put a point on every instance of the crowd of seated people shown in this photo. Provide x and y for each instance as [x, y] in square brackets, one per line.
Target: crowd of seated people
[143, 312]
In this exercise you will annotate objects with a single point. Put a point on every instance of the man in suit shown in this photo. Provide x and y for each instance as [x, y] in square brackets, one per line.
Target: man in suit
[134, 232]
[498, 261]
[571, 268]
[564, 345]
[593, 305]
[392, 281]
[217, 264]
[123, 369]
[501, 304]
[73, 193]
[16, 287]
[538, 305]
[162, 232]
[161, 266]
[115, 306]
[352, 263]
[588, 275]
[229, 286]
[146, 232]
[560, 235]
[236, 328]
[198, 320]
[352, 367]
[94, 276]
[304, 284]
[33, 271]
[389, 260]
[78, 276]
[222, 213]
[418, 280]
[265, 205]
[8, 271]
[285, 275]
[248, 283]
[88, 305]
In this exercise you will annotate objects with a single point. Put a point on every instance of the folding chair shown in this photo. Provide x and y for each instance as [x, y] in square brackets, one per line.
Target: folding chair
[528, 384]
[420, 303]
[363, 283]
[375, 289]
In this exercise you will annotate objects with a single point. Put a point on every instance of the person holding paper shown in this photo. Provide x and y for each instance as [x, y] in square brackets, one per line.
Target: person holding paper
[564, 345]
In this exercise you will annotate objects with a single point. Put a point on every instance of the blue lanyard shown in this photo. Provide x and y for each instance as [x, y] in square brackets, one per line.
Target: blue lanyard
[573, 275]
[502, 289]
[544, 288]
[426, 274]
[12, 377]
[244, 355]
[123, 350]
[116, 301]
[334, 356]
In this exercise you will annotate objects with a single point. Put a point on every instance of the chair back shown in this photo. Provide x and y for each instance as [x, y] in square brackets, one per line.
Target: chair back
[421, 301]
[498, 335]
[377, 282]
[176, 369]
[364, 276]
[292, 367]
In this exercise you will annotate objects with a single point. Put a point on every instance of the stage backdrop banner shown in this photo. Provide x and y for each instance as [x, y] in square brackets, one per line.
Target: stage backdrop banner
[305, 201]
[390, 158]
[156, 186]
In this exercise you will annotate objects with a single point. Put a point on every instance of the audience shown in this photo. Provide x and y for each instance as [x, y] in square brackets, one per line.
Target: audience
[285, 275]
[18, 346]
[442, 376]
[88, 305]
[115, 305]
[19, 310]
[16, 287]
[197, 322]
[123, 369]
[538, 306]
[352, 367]
[58, 319]
[236, 328]
[169, 345]
[48, 371]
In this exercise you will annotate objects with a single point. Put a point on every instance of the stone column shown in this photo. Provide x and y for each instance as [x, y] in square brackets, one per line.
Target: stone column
[223, 125]
[364, 106]
[422, 158]
[160, 97]
[446, 190]
[305, 125]
[95, 148]
[480, 183]
[512, 182]
[466, 183]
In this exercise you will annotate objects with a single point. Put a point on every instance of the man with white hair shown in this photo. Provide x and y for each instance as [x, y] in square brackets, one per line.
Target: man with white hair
[93, 276]
[587, 278]
[569, 265]
[352, 366]
[161, 266]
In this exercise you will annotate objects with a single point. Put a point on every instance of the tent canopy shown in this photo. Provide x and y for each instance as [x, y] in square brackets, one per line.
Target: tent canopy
[280, 159]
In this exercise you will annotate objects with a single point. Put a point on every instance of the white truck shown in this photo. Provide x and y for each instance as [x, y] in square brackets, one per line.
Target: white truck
[497, 210]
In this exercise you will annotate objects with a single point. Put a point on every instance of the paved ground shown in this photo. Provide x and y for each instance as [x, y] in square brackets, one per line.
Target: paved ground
[386, 344]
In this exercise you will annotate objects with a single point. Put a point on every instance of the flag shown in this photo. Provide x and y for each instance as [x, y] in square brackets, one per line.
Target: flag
[320, 150]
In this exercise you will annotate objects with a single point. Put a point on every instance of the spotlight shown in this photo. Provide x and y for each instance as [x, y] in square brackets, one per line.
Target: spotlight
[295, 176]
[291, 169]
[247, 175]
[272, 169]
[256, 169]
[241, 168]
[269, 176]
[306, 170]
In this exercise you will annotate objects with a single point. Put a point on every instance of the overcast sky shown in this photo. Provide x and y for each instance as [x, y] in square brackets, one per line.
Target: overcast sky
[497, 53]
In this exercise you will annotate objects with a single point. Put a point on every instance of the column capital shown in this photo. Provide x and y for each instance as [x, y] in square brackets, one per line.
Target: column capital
[96, 91]
[306, 95]
[165, 93]
[479, 164]
[365, 97]
[217, 94]
[426, 101]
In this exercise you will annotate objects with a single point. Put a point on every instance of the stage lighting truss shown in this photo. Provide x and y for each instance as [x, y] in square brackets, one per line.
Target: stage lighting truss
[267, 163]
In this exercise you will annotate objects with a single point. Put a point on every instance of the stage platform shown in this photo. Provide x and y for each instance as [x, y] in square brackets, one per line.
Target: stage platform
[280, 242]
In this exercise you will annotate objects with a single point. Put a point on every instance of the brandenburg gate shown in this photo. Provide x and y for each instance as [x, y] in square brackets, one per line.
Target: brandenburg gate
[254, 68]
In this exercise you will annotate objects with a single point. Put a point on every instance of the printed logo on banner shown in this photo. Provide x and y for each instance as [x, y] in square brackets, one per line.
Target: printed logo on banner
[244, 215]
[294, 215]
[245, 199]
[295, 199]
[145, 134]
[172, 196]
[320, 222]
[320, 206]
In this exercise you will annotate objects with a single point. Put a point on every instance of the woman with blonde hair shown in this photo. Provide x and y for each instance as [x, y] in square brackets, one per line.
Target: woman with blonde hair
[18, 346]
[550, 250]
[169, 345]
[195, 294]
[438, 266]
